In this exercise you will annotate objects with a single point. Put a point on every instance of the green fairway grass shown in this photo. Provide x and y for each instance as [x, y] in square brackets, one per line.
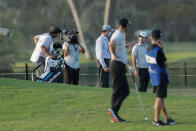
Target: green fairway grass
[31, 106]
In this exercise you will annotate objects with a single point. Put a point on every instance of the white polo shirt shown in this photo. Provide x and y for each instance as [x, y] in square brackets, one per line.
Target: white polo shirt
[139, 52]
[73, 57]
[44, 39]
[102, 49]
[120, 49]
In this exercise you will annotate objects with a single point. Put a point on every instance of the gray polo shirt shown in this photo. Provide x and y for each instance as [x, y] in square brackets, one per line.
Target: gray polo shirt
[120, 50]
[139, 52]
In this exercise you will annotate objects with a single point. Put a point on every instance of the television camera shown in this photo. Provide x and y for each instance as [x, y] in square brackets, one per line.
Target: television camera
[70, 36]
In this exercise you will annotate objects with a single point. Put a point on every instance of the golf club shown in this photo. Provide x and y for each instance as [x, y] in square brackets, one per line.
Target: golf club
[131, 71]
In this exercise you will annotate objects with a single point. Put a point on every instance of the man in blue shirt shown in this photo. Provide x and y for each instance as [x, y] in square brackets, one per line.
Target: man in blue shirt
[157, 63]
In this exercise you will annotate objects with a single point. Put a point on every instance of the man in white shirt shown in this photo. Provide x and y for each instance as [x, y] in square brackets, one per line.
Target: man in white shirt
[72, 50]
[139, 62]
[103, 56]
[118, 69]
[42, 49]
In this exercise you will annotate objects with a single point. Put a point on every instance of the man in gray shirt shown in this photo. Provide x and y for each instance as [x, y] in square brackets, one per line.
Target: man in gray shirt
[139, 62]
[118, 69]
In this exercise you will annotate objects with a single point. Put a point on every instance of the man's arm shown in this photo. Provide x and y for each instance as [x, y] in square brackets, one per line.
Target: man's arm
[47, 52]
[134, 57]
[134, 65]
[36, 38]
[81, 48]
[112, 47]
[161, 59]
[99, 52]
[66, 51]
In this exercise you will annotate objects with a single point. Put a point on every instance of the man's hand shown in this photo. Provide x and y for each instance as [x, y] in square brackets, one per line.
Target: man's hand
[115, 57]
[136, 72]
[36, 38]
[129, 66]
[81, 48]
[106, 69]
[166, 63]
[51, 57]
[47, 52]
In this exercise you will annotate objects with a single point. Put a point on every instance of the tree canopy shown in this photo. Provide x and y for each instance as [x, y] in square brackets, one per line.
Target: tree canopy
[26, 18]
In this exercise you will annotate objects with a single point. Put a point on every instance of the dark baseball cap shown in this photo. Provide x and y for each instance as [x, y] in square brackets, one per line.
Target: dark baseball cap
[55, 29]
[156, 34]
[124, 22]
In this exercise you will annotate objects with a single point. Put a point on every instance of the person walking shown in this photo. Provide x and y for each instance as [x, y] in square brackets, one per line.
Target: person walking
[139, 62]
[157, 63]
[72, 49]
[118, 69]
[42, 49]
[103, 56]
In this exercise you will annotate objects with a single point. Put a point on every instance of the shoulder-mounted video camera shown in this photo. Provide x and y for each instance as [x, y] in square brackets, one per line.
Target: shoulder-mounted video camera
[70, 36]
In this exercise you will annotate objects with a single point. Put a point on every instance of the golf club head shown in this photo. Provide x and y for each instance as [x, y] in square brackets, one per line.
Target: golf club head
[146, 118]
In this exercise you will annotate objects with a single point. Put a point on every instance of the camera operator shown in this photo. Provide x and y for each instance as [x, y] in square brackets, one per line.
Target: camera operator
[72, 49]
[42, 48]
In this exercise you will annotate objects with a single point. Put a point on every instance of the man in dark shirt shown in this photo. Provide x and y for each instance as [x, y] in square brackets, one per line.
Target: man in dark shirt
[157, 62]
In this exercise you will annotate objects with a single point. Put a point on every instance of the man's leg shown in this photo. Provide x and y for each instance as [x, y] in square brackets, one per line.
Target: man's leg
[103, 76]
[39, 70]
[104, 79]
[116, 84]
[157, 108]
[67, 75]
[146, 79]
[76, 77]
[163, 109]
[120, 87]
[141, 80]
[100, 72]
[123, 92]
[118, 96]
[115, 93]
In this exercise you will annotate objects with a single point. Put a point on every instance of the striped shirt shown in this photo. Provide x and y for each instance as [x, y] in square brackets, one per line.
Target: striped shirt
[102, 49]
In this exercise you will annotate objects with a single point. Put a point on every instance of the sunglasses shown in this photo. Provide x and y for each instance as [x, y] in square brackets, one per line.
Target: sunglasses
[142, 36]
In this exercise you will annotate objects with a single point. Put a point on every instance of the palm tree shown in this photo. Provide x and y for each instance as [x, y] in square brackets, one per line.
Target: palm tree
[107, 11]
[110, 13]
[78, 25]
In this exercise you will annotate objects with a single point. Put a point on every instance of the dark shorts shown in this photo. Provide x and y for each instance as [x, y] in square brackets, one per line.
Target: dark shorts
[161, 91]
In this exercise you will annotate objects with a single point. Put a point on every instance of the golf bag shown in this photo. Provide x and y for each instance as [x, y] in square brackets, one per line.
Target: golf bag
[53, 71]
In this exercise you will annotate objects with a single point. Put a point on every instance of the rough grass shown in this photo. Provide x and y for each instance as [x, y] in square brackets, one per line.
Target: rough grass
[31, 106]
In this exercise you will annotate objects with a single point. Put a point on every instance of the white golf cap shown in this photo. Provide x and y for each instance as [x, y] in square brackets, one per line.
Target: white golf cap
[143, 34]
[106, 27]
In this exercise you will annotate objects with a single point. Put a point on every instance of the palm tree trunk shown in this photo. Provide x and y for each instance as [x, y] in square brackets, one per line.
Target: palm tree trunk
[77, 22]
[110, 13]
[107, 11]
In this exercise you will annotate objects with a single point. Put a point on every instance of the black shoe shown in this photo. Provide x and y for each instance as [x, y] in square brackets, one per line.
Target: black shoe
[170, 122]
[121, 119]
[159, 123]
